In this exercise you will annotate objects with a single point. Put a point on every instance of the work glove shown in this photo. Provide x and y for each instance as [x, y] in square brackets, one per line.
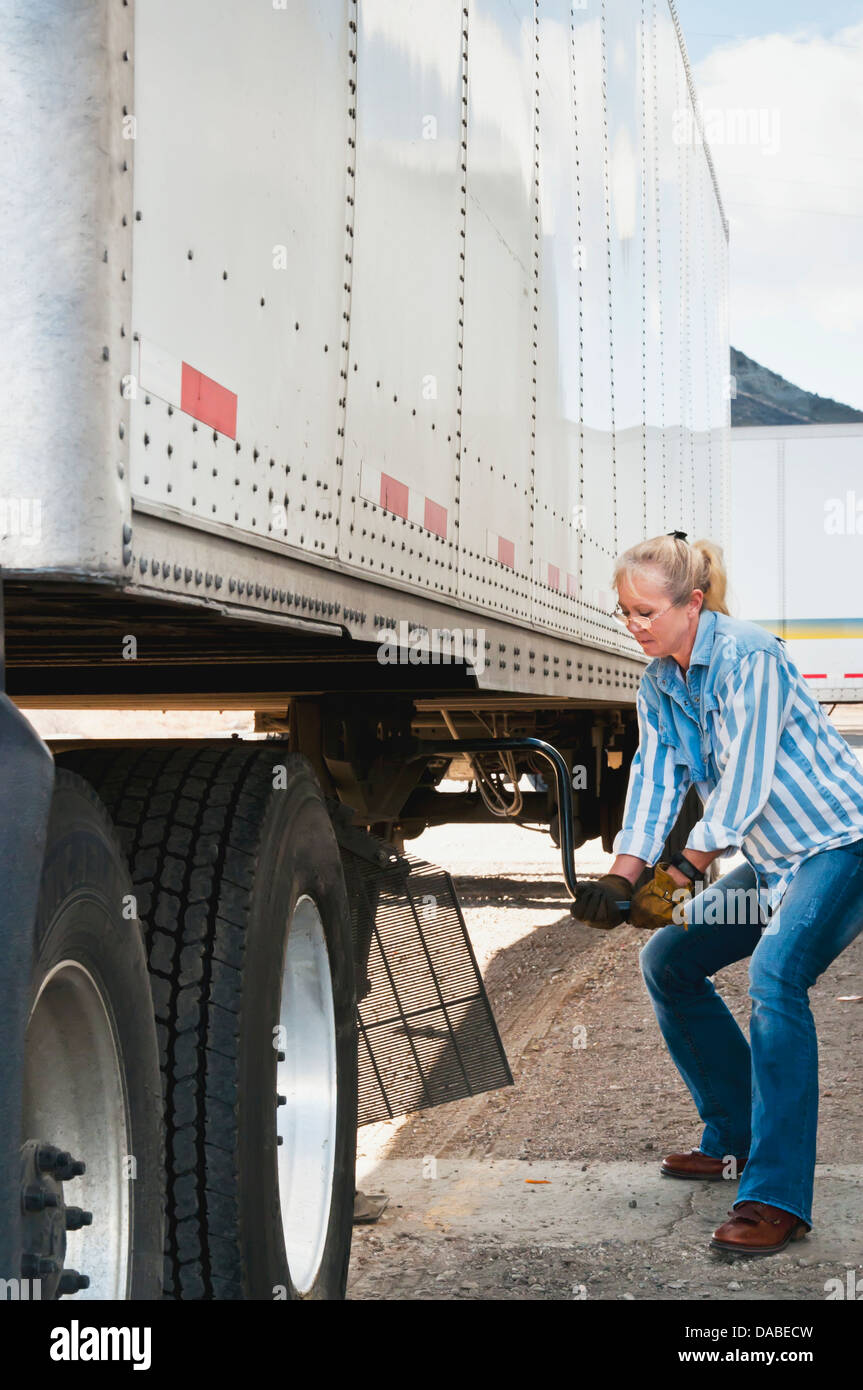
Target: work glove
[655, 902]
[596, 903]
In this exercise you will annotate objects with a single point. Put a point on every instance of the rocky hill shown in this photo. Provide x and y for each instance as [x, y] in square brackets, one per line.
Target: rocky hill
[765, 398]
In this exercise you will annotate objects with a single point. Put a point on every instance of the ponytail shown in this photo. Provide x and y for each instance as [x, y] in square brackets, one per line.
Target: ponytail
[682, 566]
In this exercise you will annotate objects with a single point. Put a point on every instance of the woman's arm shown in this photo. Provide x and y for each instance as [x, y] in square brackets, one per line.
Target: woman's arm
[628, 866]
[658, 784]
[754, 705]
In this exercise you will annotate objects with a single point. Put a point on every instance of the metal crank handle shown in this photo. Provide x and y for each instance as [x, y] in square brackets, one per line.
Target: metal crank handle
[561, 773]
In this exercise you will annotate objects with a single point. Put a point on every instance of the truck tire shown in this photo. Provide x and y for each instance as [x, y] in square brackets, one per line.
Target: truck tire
[241, 889]
[92, 1092]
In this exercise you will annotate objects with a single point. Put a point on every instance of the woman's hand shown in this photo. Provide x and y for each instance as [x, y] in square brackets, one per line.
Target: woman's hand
[657, 901]
[596, 902]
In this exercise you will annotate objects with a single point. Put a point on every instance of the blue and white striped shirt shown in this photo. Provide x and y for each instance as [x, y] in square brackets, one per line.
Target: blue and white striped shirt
[777, 781]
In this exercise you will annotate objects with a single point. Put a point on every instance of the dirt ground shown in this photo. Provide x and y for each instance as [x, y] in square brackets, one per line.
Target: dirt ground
[550, 1189]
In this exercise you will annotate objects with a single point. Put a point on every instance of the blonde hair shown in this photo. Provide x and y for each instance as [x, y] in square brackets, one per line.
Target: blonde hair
[682, 567]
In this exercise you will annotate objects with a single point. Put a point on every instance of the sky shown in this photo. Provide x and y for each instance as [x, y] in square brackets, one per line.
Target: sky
[781, 90]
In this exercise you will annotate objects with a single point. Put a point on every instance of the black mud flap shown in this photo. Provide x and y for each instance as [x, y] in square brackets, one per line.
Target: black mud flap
[427, 1034]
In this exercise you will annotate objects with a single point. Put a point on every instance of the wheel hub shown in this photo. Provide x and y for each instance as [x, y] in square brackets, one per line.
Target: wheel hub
[306, 1095]
[45, 1218]
[74, 1092]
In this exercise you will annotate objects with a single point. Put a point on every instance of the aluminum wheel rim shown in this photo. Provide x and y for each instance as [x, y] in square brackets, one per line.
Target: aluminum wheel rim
[307, 1079]
[74, 1097]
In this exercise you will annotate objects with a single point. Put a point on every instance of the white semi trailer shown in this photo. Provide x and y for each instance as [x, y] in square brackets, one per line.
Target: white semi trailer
[797, 545]
[345, 343]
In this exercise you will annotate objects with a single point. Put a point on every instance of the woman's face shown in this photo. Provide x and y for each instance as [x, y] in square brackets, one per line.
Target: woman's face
[646, 597]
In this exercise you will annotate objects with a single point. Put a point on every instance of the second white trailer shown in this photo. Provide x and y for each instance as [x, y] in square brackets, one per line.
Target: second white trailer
[797, 546]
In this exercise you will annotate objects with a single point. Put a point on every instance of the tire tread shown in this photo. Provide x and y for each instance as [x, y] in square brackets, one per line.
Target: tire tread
[190, 821]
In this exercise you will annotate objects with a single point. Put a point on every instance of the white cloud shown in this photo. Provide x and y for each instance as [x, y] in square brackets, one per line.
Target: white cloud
[791, 176]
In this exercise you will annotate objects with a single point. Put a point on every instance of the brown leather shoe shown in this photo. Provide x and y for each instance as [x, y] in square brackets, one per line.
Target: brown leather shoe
[756, 1228]
[695, 1164]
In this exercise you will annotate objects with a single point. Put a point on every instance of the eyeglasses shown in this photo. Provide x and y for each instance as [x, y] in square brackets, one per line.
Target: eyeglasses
[633, 621]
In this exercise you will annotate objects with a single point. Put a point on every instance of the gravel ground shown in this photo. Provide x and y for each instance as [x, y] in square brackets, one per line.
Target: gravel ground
[550, 1188]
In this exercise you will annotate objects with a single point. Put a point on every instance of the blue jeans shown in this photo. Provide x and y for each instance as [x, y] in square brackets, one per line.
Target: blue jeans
[759, 1098]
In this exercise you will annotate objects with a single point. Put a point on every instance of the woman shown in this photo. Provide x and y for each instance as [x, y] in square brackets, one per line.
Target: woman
[723, 707]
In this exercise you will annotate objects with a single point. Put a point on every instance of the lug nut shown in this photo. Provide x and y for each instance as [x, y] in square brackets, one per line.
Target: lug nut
[72, 1282]
[48, 1156]
[37, 1199]
[76, 1218]
[281, 1100]
[72, 1168]
[280, 1056]
[37, 1266]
